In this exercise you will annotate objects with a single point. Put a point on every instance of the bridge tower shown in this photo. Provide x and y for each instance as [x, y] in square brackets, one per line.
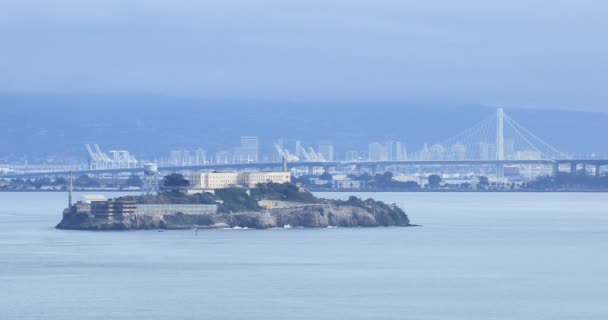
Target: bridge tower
[500, 141]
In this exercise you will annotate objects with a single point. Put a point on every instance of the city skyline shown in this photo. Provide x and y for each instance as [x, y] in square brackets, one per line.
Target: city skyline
[306, 159]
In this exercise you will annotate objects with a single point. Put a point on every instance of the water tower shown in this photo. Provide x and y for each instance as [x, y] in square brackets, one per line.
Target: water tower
[151, 180]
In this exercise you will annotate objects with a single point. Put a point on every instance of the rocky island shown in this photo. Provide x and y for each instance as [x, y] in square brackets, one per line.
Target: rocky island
[264, 206]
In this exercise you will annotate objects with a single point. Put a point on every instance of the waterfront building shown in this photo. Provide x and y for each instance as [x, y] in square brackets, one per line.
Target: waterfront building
[347, 184]
[112, 209]
[405, 178]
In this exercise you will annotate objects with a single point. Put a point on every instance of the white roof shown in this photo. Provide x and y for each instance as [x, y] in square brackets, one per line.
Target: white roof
[93, 197]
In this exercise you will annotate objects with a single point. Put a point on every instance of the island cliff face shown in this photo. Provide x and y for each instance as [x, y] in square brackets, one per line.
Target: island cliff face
[309, 216]
[309, 212]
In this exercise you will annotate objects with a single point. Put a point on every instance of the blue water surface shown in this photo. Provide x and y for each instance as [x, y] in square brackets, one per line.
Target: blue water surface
[477, 256]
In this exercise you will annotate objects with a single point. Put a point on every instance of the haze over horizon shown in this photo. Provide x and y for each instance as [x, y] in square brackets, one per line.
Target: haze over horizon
[531, 54]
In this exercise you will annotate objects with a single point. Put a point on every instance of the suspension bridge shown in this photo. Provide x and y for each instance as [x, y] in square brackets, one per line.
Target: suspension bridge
[497, 141]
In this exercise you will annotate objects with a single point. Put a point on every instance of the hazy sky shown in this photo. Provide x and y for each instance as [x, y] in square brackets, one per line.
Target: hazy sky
[512, 53]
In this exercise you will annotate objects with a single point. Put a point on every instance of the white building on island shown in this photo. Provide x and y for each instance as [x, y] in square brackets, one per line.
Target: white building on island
[219, 180]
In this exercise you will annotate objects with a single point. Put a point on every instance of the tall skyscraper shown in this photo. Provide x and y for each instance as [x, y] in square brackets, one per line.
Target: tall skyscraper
[437, 152]
[377, 152]
[222, 157]
[200, 156]
[351, 155]
[458, 152]
[180, 157]
[248, 151]
[486, 151]
[250, 142]
[297, 149]
[327, 150]
[394, 151]
[509, 149]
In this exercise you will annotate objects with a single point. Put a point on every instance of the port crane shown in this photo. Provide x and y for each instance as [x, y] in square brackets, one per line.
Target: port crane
[284, 153]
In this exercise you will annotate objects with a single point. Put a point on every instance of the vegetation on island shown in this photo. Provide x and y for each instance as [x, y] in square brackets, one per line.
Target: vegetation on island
[239, 199]
[283, 192]
[228, 199]
[173, 197]
[236, 200]
[175, 181]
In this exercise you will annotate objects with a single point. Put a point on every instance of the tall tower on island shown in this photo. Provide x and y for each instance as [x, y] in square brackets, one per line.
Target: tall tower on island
[70, 189]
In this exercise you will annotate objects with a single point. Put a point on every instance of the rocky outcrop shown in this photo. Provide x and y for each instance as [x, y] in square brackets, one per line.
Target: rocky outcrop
[363, 214]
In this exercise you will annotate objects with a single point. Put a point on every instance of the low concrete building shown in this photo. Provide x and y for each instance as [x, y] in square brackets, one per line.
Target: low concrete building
[251, 179]
[112, 209]
[214, 180]
[347, 184]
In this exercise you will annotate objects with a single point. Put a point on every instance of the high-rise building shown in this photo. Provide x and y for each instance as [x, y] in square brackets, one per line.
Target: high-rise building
[437, 152]
[377, 152]
[528, 155]
[180, 157]
[250, 142]
[352, 155]
[509, 149]
[248, 151]
[425, 154]
[297, 149]
[327, 150]
[395, 151]
[458, 152]
[200, 157]
[222, 157]
[486, 151]
[492, 152]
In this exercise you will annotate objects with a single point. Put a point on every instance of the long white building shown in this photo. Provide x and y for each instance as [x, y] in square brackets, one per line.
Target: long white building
[219, 180]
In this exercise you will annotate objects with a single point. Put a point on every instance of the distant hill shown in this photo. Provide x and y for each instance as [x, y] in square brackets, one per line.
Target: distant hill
[148, 126]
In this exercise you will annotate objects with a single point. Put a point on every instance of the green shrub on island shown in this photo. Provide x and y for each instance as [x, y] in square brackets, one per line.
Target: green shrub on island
[173, 197]
[232, 200]
[236, 200]
[283, 192]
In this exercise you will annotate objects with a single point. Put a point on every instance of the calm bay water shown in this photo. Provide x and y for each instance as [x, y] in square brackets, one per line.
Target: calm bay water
[478, 256]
